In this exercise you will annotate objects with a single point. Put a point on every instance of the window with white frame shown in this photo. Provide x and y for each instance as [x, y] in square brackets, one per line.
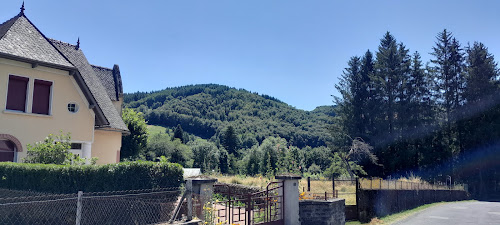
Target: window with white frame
[41, 97]
[17, 93]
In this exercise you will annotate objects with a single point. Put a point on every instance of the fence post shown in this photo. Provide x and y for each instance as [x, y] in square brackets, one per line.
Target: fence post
[357, 195]
[79, 208]
[333, 185]
[308, 183]
[189, 198]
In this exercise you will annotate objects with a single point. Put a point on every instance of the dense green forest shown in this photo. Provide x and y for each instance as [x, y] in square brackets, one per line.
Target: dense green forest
[438, 119]
[206, 110]
[395, 115]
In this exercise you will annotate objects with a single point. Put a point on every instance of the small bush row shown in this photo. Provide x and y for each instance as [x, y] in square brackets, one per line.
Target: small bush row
[52, 178]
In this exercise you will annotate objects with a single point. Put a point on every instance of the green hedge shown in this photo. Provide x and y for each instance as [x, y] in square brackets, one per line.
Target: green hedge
[89, 178]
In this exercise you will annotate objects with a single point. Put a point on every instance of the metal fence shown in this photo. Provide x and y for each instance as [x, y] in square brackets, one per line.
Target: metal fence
[380, 184]
[120, 207]
[324, 189]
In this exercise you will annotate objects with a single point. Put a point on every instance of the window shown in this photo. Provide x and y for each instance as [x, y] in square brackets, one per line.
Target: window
[72, 107]
[76, 146]
[16, 94]
[41, 97]
[7, 153]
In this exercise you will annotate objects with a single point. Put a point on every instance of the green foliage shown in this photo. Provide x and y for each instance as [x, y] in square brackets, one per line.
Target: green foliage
[314, 169]
[252, 163]
[338, 169]
[178, 133]
[134, 143]
[205, 155]
[207, 110]
[52, 150]
[230, 140]
[161, 144]
[433, 120]
[89, 178]
[223, 161]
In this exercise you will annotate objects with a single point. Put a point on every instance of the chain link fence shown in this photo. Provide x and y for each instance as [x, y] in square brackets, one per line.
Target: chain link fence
[132, 207]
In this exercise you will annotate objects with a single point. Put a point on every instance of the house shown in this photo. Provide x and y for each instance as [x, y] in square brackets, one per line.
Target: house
[48, 86]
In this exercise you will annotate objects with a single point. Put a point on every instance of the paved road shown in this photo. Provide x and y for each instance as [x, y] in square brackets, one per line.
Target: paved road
[457, 214]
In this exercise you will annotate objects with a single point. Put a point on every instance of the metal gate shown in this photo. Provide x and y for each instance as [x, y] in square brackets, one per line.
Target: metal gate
[258, 208]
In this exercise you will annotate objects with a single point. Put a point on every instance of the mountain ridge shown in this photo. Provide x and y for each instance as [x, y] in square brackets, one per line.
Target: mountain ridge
[206, 110]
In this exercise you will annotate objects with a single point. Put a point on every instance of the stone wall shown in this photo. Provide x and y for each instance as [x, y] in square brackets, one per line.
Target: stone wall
[379, 203]
[319, 212]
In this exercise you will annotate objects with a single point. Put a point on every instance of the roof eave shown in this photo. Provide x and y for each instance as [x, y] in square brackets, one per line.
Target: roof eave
[92, 102]
[107, 128]
[35, 63]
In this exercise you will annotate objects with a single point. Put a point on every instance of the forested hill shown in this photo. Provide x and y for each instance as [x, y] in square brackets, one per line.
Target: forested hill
[207, 109]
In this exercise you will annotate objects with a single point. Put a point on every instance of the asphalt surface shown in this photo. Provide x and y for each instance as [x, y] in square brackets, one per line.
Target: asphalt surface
[457, 213]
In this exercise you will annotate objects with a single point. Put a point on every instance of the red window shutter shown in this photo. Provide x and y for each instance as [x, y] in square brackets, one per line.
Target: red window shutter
[41, 97]
[16, 94]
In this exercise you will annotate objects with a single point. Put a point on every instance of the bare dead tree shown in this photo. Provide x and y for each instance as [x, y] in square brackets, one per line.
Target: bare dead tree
[358, 150]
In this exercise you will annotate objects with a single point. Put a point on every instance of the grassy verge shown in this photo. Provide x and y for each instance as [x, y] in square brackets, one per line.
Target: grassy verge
[390, 219]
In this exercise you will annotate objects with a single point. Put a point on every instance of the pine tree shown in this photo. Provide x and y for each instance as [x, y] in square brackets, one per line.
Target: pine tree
[482, 73]
[178, 133]
[387, 71]
[223, 161]
[370, 103]
[482, 110]
[448, 70]
[230, 141]
[346, 114]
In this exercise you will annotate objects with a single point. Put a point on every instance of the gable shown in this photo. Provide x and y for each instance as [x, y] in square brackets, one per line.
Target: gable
[75, 55]
[22, 39]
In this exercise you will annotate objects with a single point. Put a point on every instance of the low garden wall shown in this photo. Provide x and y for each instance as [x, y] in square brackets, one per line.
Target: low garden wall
[379, 203]
[319, 212]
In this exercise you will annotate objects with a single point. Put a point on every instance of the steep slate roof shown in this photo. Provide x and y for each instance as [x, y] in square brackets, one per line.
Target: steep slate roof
[19, 37]
[111, 79]
[75, 55]
[21, 40]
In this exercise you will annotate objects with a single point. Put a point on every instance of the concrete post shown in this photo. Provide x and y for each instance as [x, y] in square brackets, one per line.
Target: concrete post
[202, 187]
[189, 198]
[87, 151]
[79, 208]
[290, 193]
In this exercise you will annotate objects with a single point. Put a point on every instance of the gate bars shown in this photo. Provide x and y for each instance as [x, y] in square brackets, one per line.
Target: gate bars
[263, 207]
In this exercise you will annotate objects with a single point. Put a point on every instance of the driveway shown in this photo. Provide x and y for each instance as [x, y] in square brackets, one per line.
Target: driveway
[457, 214]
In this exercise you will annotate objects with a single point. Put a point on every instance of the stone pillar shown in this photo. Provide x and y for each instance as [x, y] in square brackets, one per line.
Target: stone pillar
[290, 193]
[202, 187]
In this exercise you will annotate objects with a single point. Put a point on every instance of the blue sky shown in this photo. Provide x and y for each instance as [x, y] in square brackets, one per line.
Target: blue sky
[293, 50]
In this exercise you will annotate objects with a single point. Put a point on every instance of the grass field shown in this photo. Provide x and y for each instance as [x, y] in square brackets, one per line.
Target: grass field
[152, 130]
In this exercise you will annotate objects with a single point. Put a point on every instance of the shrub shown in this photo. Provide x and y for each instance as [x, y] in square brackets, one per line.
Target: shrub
[52, 150]
[89, 178]
[135, 143]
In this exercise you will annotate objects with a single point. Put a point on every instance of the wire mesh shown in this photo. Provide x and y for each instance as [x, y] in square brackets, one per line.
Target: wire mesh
[119, 207]
[129, 207]
[45, 209]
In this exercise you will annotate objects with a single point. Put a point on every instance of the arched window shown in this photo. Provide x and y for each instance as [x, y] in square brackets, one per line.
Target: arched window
[7, 151]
